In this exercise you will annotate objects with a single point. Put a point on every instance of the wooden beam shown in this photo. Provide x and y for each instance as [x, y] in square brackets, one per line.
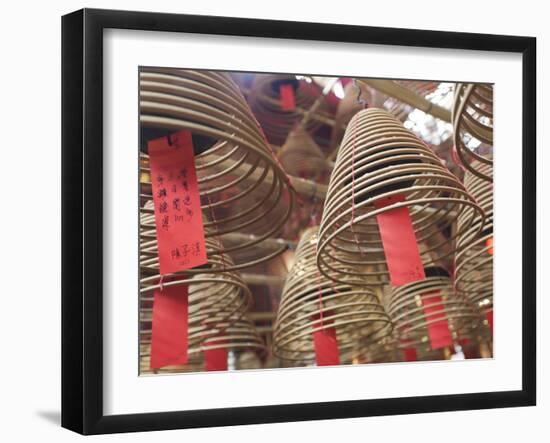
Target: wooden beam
[409, 97]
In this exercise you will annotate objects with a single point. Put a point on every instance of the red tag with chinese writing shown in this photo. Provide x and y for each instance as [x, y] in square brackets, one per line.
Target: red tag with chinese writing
[438, 328]
[288, 102]
[169, 337]
[399, 243]
[326, 347]
[178, 217]
[215, 359]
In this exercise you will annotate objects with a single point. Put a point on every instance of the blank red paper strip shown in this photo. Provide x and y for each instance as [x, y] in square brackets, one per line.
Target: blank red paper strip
[178, 217]
[288, 101]
[215, 359]
[326, 347]
[169, 337]
[438, 331]
[399, 243]
[404, 261]
[410, 354]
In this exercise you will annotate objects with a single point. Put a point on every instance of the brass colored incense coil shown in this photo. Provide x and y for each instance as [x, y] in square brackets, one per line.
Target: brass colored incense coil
[266, 103]
[301, 157]
[239, 338]
[311, 302]
[378, 159]
[474, 261]
[409, 302]
[472, 116]
[243, 188]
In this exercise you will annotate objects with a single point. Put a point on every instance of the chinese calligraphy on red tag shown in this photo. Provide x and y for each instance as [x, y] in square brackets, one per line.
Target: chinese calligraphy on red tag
[178, 217]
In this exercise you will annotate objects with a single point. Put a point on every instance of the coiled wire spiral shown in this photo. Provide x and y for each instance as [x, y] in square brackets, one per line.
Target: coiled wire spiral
[407, 311]
[218, 302]
[472, 115]
[378, 159]
[311, 302]
[266, 104]
[474, 261]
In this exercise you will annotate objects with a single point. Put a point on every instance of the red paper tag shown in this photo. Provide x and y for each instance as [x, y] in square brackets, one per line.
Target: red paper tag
[410, 354]
[405, 264]
[438, 331]
[288, 102]
[489, 245]
[169, 338]
[326, 347]
[399, 243]
[215, 359]
[178, 217]
[489, 317]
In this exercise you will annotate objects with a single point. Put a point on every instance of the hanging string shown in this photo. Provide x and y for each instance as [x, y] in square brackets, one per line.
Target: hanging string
[353, 187]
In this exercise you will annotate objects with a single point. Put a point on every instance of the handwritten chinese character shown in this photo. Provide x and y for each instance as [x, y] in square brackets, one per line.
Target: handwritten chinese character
[175, 253]
[163, 207]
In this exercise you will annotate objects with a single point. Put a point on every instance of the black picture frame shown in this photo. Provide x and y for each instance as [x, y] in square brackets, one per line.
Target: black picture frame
[82, 218]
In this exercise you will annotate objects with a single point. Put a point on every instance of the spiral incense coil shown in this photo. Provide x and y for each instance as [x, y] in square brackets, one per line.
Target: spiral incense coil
[240, 337]
[310, 303]
[472, 116]
[407, 310]
[243, 188]
[378, 159]
[474, 262]
[265, 101]
[301, 157]
[215, 301]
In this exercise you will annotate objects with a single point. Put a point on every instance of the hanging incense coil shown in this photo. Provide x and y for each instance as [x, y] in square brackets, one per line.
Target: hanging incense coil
[379, 159]
[215, 301]
[311, 302]
[243, 188]
[472, 116]
[474, 261]
[410, 302]
[301, 157]
[266, 104]
[238, 338]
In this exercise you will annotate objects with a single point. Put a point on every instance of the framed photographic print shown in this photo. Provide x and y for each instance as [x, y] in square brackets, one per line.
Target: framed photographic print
[273, 221]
